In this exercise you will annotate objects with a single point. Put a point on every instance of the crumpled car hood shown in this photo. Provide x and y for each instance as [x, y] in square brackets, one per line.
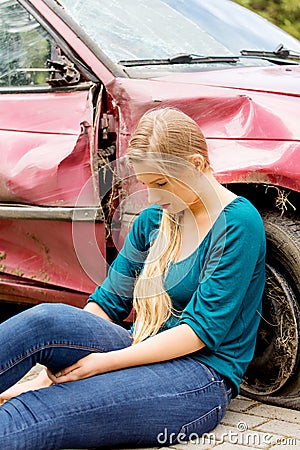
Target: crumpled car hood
[276, 79]
[246, 103]
[248, 116]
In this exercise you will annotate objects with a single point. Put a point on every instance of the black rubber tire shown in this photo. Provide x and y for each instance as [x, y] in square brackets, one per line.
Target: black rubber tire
[276, 360]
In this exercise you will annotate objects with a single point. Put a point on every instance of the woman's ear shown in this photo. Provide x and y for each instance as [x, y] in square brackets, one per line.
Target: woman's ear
[198, 161]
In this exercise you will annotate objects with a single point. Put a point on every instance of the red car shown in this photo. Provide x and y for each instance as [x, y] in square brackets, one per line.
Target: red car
[75, 76]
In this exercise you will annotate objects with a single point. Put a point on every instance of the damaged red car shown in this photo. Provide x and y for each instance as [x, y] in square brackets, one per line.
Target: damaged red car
[75, 77]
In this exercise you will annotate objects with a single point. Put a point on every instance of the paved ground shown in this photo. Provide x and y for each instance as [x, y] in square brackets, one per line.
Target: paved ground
[246, 425]
[249, 424]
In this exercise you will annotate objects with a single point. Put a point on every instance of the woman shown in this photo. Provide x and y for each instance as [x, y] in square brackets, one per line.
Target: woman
[192, 267]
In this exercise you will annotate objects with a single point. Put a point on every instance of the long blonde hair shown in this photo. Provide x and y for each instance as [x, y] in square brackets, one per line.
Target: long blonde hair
[164, 136]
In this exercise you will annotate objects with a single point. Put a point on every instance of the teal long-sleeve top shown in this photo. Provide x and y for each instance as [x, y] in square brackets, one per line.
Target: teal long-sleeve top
[217, 289]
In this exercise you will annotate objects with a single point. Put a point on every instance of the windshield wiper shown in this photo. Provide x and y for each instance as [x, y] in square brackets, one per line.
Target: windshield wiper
[179, 59]
[279, 53]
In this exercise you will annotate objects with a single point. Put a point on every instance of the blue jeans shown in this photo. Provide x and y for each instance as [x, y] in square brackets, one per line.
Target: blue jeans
[150, 405]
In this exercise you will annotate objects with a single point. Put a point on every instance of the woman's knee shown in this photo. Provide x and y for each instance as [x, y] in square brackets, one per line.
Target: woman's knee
[44, 316]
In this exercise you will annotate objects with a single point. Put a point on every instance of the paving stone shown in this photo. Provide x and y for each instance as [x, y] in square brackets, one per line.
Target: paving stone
[241, 404]
[194, 445]
[205, 442]
[248, 438]
[237, 419]
[229, 446]
[285, 428]
[276, 412]
[288, 444]
[246, 398]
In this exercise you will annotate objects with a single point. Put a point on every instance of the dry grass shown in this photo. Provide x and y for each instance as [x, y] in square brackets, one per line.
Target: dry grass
[282, 202]
[281, 317]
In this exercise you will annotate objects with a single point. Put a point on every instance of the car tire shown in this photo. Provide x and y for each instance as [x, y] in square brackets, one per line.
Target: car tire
[275, 365]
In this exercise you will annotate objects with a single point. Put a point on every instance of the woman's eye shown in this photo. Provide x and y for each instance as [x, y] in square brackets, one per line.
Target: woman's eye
[162, 184]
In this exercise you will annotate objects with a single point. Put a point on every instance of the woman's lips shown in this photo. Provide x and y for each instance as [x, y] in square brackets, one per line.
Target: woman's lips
[165, 205]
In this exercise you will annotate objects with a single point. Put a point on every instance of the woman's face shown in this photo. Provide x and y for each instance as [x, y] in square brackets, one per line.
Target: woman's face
[169, 192]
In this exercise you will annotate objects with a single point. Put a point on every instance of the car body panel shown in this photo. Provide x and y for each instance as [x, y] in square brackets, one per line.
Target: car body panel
[44, 252]
[253, 136]
[47, 148]
[274, 79]
[48, 140]
[12, 288]
[255, 113]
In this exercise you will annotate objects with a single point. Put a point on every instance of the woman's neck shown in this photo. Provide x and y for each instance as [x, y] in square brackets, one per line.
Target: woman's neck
[212, 197]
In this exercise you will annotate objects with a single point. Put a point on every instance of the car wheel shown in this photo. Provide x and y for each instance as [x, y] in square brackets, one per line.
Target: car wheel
[277, 350]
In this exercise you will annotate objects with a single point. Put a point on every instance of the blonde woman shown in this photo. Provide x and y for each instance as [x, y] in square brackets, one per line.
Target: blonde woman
[192, 267]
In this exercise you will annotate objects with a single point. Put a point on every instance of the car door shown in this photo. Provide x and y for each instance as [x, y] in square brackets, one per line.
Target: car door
[48, 189]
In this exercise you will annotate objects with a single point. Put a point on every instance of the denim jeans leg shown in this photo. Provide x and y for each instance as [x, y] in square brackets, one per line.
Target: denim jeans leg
[55, 335]
[152, 405]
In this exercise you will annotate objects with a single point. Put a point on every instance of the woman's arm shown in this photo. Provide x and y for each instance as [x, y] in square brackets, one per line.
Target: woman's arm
[173, 343]
[169, 344]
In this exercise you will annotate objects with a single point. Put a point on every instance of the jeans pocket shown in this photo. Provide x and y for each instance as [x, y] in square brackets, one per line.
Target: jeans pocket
[209, 372]
[204, 424]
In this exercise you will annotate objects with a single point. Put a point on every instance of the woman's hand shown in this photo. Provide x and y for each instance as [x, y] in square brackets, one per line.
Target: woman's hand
[90, 365]
[168, 344]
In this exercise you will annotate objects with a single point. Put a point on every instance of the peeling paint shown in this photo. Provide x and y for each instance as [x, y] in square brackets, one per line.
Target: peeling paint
[2, 256]
[42, 246]
[17, 272]
[43, 276]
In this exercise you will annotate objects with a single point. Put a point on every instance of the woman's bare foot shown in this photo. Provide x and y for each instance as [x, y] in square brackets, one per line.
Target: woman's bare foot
[41, 381]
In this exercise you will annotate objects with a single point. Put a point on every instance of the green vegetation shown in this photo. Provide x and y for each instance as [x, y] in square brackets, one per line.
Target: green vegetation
[24, 47]
[283, 13]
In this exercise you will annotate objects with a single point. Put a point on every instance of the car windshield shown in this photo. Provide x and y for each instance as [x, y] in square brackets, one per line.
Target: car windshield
[157, 29]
